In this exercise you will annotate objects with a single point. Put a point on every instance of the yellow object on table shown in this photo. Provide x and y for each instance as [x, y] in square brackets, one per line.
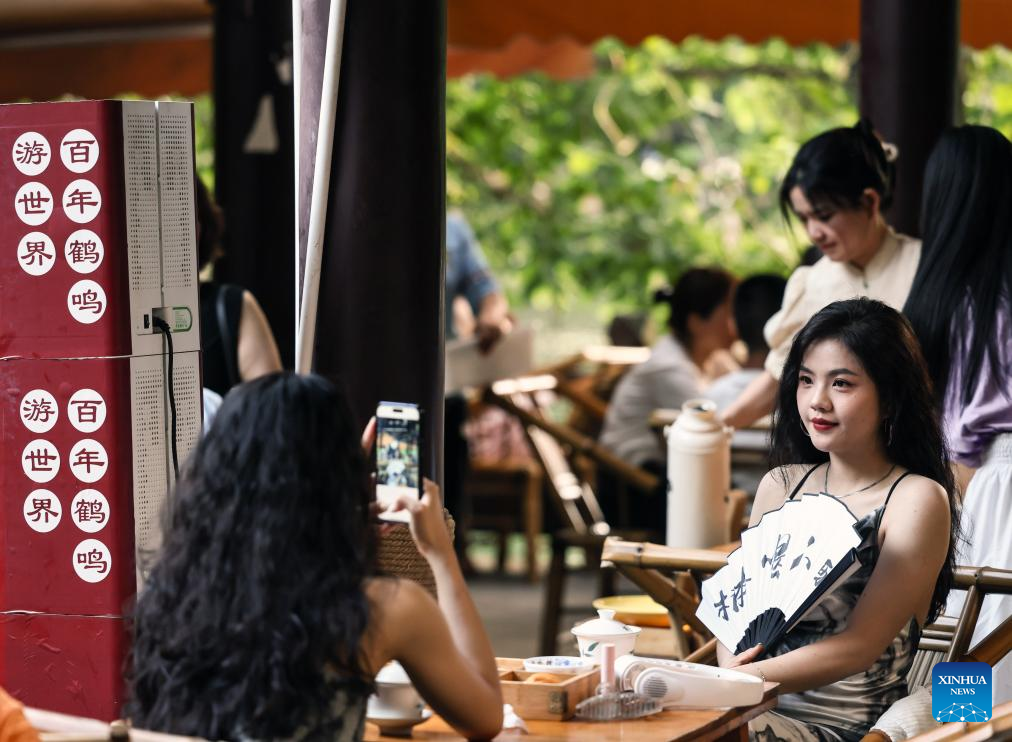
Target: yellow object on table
[637, 610]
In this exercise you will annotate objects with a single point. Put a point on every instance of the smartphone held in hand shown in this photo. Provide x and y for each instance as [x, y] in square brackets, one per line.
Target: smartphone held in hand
[398, 431]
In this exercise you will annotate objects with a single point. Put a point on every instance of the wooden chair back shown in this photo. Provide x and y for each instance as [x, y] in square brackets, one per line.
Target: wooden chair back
[948, 639]
[588, 380]
[555, 444]
[998, 727]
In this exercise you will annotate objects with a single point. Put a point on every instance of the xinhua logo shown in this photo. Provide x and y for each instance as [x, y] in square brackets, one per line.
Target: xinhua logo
[961, 691]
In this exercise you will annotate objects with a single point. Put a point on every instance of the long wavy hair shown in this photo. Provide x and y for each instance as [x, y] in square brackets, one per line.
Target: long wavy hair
[965, 269]
[256, 604]
[911, 432]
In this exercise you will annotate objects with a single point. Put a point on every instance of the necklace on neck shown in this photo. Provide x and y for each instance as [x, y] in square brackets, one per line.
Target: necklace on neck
[825, 483]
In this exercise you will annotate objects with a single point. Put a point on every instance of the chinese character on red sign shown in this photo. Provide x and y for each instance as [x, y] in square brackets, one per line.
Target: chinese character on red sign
[30, 152]
[37, 410]
[42, 509]
[90, 510]
[80, 199]
[88, 301]
[35, 253]
[81, 251]
[93, 559]
[34, 202]
[39, 459]
[88, 458]
[78, 150]
[87, 410]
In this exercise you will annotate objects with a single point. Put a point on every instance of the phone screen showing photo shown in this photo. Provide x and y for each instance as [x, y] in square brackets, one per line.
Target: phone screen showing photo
[396, 459]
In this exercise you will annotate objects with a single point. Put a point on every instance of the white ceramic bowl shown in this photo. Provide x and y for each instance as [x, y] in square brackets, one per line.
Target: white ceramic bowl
[395, 697]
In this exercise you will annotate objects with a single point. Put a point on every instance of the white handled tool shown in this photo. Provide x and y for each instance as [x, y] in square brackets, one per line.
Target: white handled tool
[687, 685]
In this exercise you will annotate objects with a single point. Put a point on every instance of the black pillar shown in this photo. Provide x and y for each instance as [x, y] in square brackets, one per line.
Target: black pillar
[380, 325]
[909, 57]
[254, 155]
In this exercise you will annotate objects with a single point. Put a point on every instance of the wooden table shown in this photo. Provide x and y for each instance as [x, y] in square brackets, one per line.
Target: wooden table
[704, 726]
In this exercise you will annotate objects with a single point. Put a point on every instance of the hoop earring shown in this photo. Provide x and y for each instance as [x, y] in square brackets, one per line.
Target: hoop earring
[803, 428]
[887, 428]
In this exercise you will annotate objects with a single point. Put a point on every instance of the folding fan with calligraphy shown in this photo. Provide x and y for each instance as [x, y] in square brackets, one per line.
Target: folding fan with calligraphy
[786, 565]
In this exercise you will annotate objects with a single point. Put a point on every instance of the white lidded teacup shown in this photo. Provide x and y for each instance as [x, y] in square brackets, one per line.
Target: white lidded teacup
[395, 697]
[592, 634]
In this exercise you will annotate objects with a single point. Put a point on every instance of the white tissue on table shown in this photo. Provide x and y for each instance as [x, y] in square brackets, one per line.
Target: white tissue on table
[510, 720]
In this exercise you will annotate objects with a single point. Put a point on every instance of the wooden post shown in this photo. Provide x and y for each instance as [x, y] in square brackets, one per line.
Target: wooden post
[909, 57]
[254, 152]
[380, 319]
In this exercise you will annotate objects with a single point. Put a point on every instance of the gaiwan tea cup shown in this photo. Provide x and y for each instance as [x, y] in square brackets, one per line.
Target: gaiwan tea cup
[605, 629]
[395, 697]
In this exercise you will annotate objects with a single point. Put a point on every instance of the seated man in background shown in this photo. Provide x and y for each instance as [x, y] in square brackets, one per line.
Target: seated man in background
[467, 276]
[756, 299]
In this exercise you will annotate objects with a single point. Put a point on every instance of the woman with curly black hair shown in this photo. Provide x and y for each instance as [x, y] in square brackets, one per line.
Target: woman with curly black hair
[856, 419]
[263, 617]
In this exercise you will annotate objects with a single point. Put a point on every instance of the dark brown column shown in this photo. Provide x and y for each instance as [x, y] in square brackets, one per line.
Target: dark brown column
[909, 57]
[380, 325]
[254, 155]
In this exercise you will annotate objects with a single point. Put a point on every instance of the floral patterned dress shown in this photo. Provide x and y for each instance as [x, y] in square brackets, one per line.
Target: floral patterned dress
[844, 710]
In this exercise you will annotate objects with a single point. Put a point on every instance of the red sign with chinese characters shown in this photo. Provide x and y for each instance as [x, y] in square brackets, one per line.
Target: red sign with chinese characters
[97, 237]
[63, 270]
[66, 473]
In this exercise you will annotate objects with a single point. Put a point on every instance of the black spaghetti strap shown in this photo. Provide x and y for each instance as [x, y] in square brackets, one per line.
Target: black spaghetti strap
[803, 480]
[889, 494]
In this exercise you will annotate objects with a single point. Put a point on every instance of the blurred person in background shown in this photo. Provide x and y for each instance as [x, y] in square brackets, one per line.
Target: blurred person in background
[235, 337]
[469, 285]
[838, 187]
[960, 307]
[699, 323]
[756, 299]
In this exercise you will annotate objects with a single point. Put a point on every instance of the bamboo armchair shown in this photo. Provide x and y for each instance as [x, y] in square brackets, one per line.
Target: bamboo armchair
[650, 567]
[584, 524]
[999, 727]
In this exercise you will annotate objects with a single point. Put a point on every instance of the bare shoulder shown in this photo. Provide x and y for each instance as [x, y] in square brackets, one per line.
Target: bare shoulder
[774, 488]
[921, 497]
[396, 608]
[391, 598]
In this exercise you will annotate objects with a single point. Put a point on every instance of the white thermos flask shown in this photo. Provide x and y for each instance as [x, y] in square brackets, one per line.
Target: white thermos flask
[699, 476]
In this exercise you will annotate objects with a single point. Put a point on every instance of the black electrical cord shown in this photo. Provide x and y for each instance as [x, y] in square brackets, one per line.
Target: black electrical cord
[163, 327]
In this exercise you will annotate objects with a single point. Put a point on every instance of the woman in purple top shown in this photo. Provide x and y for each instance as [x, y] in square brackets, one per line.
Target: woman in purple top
[959, 306]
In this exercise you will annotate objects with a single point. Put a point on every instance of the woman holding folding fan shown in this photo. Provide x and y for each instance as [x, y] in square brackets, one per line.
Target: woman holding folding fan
[855, 419]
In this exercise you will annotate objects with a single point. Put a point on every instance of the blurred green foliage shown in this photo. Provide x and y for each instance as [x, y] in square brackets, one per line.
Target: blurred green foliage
[669, 155]
[987, 95]
[203, 137]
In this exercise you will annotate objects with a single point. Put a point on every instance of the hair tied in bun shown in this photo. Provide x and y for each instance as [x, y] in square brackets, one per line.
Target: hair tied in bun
[664, 295]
